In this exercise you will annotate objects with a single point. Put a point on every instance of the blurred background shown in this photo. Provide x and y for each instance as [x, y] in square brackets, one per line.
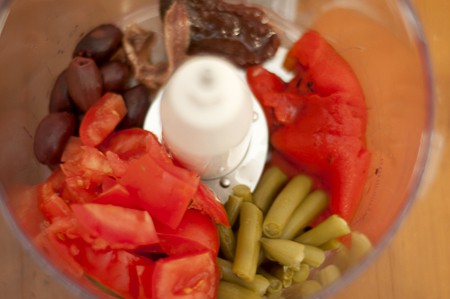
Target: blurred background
[415, 263]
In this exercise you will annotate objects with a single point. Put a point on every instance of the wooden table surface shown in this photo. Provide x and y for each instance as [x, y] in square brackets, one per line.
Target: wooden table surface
[415, 264]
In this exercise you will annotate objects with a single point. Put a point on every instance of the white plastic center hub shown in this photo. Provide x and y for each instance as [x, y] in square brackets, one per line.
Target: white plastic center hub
[206, 116]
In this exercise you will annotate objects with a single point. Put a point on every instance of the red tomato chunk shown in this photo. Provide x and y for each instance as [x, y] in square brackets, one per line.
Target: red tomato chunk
[120, 212]
[318, 119]
[188, 277]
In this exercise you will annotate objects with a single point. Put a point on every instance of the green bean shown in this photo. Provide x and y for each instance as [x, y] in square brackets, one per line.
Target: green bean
[259, 284]
[309, 288]
[314, 256]
[285, 252]
[232, 207]
[361, 245]
[271, 182]
[285, 204]
[284, 274]
[227, 241]
[243, 191]
[275, 285]
[247, 245]
[330, 245]
[329, 274]
[228, 290]
[302, 274]
[307, 211]
[331, 228]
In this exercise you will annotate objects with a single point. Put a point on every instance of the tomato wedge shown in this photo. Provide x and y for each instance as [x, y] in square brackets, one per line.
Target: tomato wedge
[133, 143]
[163, 189]
[196, 232]
[187, 276]
[117, 195]
[115, 269]
[207, 202]
[102, 118]
[50, 202]
[120, 227]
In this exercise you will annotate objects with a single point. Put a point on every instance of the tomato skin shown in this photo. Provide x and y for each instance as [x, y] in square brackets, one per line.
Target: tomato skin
[167, 201]
[264, 84]
[133, 143]
[324, 68]
[102, 118]
[207, 202]
[187, 276]
[196, 232]
[119, 227]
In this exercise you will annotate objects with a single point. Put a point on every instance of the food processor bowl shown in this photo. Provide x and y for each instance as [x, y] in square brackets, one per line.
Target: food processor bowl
[381, 39]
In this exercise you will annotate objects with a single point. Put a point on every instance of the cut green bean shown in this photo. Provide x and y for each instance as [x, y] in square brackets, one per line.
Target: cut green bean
[310, 287]
[305, 213]
[271, 182]
[331, 228]
[314, 256]
[243, 191]
[285, 204]
[330, 245]
[284, 274]
[228, 290]
[275, 285]
[232, 207]
[227, 241]
[329, 274]
[259, 284]
[286, 252]
[247, 244]
[302, 274]
[361, 245]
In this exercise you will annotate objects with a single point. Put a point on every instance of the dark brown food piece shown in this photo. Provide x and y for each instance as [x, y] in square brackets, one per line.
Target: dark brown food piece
[100, 43]
[137, 100]
[84, 82]
[137, 45]
[51, 136]
[114, 74]
[59, 96]
[240, 33]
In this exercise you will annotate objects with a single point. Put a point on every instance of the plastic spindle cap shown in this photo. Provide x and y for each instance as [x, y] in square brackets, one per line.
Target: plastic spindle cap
[206, 115]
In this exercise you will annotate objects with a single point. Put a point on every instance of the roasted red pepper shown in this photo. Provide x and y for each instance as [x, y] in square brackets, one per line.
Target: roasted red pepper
[318, 119]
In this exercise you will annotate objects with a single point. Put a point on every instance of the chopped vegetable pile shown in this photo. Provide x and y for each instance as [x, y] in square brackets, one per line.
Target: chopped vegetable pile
[118, 209]
[270, 245]
[123, 218]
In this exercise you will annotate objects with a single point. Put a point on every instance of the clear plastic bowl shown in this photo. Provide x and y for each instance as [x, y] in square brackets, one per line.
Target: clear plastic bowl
[381, 39]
